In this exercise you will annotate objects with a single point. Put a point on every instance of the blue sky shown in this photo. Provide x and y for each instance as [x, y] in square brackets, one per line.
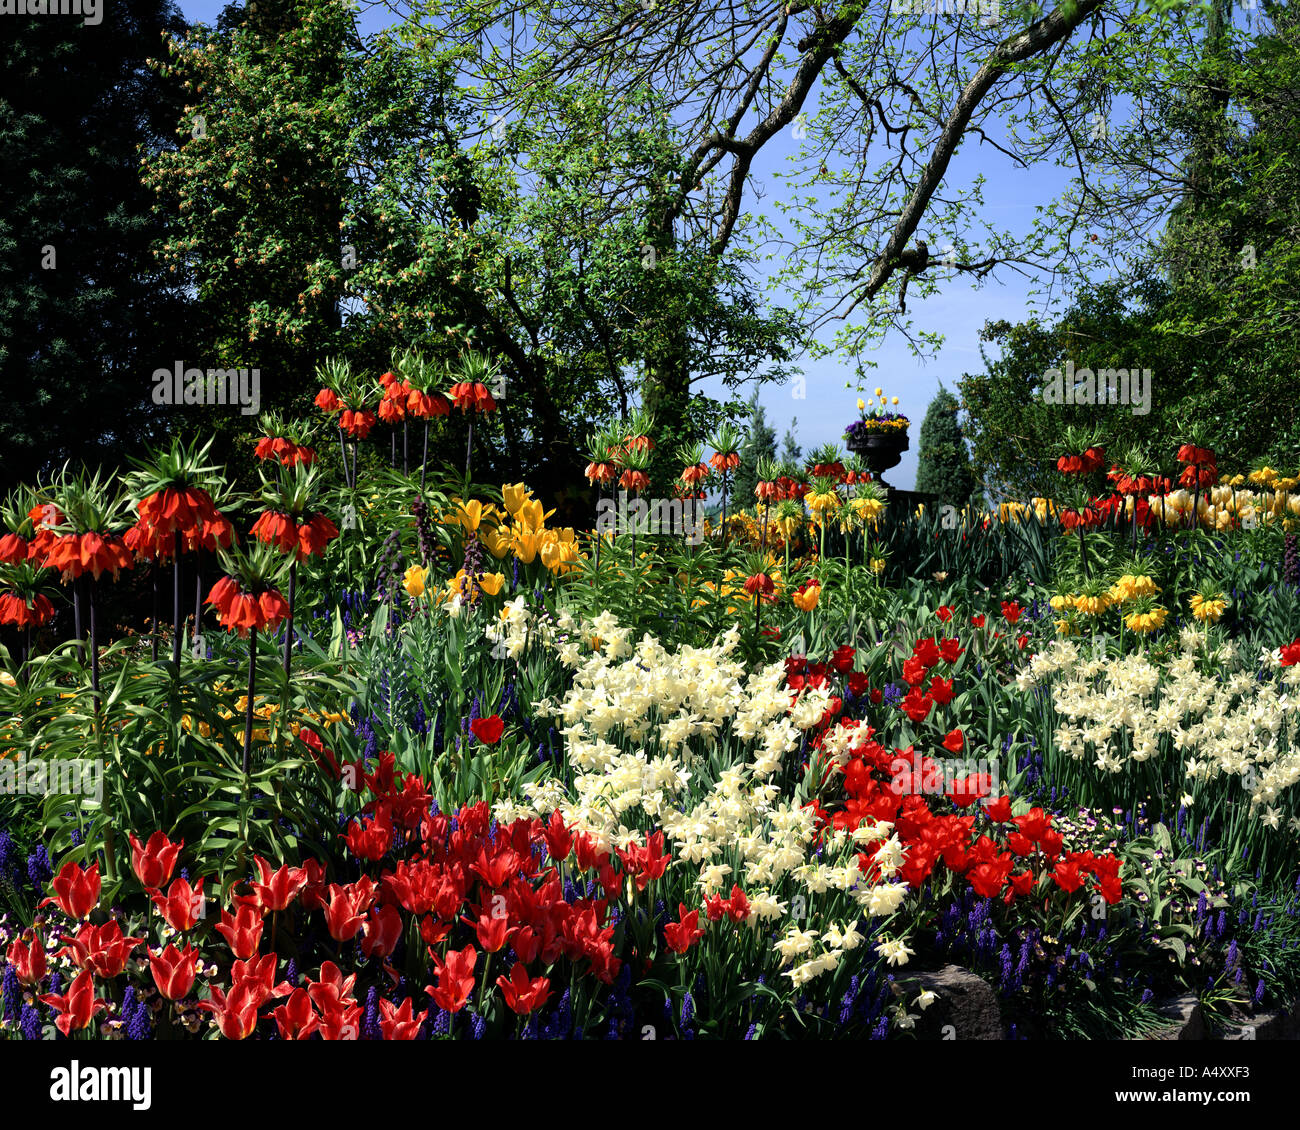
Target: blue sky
[958, 311]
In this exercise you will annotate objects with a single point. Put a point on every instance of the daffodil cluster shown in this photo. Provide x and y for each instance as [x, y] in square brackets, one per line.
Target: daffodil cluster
[1123, 711]
[692, 741]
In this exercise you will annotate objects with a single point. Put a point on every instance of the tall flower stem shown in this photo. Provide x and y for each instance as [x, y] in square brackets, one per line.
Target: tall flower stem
[288, 633]
[469, 447]
[248, 707]
[76, 618]
[343, 451]
[406, 462]
[157, 609]
[94, 641]
[198, 594]
[725, 476]
[176, 600]
[424, 460]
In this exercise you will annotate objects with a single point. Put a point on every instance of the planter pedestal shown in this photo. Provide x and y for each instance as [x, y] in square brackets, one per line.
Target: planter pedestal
[880, 451]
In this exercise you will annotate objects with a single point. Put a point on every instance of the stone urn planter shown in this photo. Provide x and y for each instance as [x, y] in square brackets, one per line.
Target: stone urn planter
[880, 448]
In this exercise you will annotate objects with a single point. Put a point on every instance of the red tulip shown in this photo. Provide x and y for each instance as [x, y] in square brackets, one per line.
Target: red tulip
[522, 993]
[183, 905]
[296, 1019]
[488, 730]
[382, 932]
[455, 978]
[173, 971]
[27, 955]
[681, 935]
[398, 1023]
[77, 1006]
[278, 888]
[153, 862]
[243, 931]
[76, 891]
[236, 1013]
[491, 931]
[346, 906]
[333, 990]
[102, 949]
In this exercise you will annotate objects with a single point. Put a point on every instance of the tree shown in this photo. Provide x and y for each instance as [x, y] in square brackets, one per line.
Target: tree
[760, 443]
[1210, 303]
[790, 450]
[898, 93]
[256, 192]
[944, 468]
[86, 314]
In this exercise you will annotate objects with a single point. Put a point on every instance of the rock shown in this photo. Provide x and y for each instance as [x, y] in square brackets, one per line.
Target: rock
[1187, 1017]
[967, 1007]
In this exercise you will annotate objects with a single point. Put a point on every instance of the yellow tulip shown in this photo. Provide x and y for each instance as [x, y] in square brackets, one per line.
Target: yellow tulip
[514, 496]
[497, 541]
[526, 544]
[470, 514]
[531, 516]
[552, 555]
[861, 404]
[413, 582]
[807, 600]
[491, 583]
[879, 391]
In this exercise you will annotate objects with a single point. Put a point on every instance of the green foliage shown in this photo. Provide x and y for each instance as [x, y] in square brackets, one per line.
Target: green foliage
[944, 463]
[86, 312]
[760, 443]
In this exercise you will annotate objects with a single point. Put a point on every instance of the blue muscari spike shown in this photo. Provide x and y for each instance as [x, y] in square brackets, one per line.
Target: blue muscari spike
[12, 993]
[29, 1023]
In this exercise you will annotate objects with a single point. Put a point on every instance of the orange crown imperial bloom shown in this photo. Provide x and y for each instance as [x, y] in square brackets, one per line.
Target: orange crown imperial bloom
[391, 411]
[327, 400]
[357, 422]
[178, 510]
[724, 463]
[640, 443]
[276, 528]
[759, 582]
[13, 549]
[239, 611]
[423, 405]
[696, 473]
[634, 480]
[15, 610]
[600, 473]
[314, 535]
[467, 395]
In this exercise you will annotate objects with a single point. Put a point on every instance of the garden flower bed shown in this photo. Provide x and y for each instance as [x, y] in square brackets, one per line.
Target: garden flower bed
[530, 783]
